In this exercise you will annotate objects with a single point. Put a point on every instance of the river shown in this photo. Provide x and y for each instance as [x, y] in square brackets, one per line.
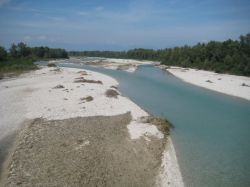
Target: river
[211, 131]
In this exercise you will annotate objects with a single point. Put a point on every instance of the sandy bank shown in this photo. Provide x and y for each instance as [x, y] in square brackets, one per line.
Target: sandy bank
[228, 84]
[58, 95]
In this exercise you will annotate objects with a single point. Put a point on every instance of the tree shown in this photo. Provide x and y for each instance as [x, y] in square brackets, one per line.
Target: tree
[23, 50]
[13, 50]
[230, 56]
[3, 53]
[245, 40]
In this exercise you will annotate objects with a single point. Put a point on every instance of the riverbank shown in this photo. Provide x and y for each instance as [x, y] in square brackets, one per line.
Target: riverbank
[238, 86]
[128, 65]
[69, 97]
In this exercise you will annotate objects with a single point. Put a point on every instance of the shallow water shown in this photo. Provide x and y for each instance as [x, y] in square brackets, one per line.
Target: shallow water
[211, 130]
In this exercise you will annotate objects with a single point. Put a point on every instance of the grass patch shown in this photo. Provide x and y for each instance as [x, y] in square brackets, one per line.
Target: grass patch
[125, 66]
[51, 65]
[58, 86]
[244, 84]
[83, 80]
[82, 72]
[209, 81]
[56, 69]
[87, 99]
[16, 66]
[162, 124]
[111, 93]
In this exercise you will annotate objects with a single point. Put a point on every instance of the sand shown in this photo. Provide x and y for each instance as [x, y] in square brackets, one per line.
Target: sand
[168, 174]
[53, 94]
[238, 86]
[66, 102]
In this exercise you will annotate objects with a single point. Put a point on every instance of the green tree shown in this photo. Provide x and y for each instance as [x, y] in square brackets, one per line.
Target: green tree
[23, 50]
[3, 53]
[13, 50]
[245, 40]
[230, 56]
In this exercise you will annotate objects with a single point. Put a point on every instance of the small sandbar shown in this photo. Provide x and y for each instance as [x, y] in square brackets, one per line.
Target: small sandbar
[238, 86]
[128, 65]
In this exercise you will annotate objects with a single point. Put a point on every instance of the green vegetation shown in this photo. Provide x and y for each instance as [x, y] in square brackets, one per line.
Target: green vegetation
[21, 57]
[14, 65]
[162, 124]
[87, 99]
[22, 50]
[230, 56]
[111, 93]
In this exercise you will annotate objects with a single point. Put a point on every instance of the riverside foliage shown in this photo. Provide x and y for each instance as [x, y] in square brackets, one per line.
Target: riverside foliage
[21, 57]
[230, 56]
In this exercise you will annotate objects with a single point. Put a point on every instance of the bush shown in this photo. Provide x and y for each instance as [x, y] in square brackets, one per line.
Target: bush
[87, 99]
[111, 93]
[162, 124]
[51, 65]
[17, 64]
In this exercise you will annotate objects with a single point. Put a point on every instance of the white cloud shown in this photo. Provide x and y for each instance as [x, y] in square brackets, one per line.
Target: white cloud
[3, 2]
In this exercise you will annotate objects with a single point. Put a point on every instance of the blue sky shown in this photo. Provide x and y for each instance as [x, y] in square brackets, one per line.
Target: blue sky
[121, 24]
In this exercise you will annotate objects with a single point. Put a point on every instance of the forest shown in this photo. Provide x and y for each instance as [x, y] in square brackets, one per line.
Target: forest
[21, 57]
[230, 56]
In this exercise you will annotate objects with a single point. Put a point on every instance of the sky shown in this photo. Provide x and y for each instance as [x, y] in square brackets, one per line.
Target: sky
[121, 24]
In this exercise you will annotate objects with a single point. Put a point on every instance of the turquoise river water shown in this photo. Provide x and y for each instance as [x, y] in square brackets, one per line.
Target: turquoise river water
[211, 131]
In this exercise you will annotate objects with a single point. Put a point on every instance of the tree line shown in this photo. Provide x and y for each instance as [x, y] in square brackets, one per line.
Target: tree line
[21, 57]
[230, 56]
[21, 50]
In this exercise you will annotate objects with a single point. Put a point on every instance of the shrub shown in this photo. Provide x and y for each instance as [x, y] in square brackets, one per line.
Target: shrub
[88, 98]
[51, 65]
[162, 124]
[111, 93]
[83, 80]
